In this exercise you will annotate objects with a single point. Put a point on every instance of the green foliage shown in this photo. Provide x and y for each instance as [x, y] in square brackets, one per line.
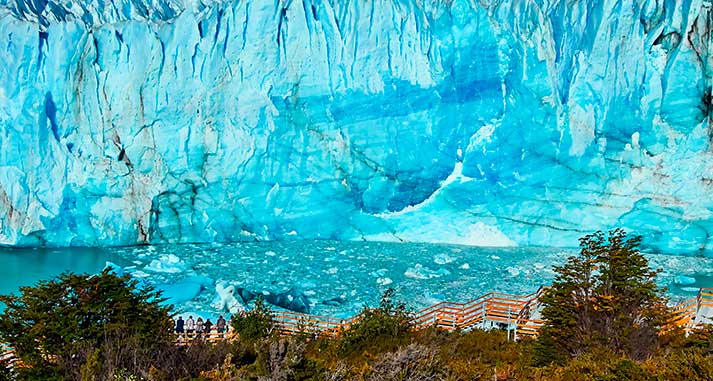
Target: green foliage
[604, 297]
[389, 320]
[413, 362]
[91, 369]
[545, 350]
[255, 324]
[601, 365]
[60, 324]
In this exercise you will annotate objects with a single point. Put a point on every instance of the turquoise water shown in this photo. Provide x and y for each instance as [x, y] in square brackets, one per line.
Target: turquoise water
[336, 278]
[24, 267]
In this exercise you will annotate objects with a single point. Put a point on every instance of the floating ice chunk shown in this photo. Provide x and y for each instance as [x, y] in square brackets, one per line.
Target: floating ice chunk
[166, 264]
[292, 233]
[421, 272]
[114, 268]
[495, 257]
[270, 253]
[684, 280]
[139, 274]
[465, 266]
[442, 259]
[335, 302]
[307, 284]
[293, 300]
[225, 299]
[384, 281]
[331, 270]
[538, 266]
[513, 271]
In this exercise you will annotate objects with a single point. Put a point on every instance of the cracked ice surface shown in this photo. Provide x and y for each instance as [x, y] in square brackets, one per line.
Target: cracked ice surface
[490, 123]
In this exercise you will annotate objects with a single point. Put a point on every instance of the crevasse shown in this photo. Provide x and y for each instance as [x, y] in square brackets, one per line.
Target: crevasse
[521, 122]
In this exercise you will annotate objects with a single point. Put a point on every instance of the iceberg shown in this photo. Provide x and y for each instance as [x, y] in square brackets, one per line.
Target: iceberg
[497, 123]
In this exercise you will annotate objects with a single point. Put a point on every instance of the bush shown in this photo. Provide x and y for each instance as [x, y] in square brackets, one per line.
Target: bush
[478, 354]
[254, 324]
[684, 364]
[600, 365]
[390, 320]
[414, 362]
[64, 327]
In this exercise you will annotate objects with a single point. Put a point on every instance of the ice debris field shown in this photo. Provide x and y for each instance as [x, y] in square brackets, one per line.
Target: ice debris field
[339, 278]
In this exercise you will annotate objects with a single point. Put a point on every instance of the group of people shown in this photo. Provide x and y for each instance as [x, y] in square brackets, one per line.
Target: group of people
[199, 326]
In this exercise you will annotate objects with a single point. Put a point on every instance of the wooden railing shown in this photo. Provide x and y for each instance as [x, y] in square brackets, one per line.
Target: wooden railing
[493, 309]
[516, 313]
[693, 313]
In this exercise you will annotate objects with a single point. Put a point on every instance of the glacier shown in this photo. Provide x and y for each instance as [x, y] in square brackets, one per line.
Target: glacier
[494, 122]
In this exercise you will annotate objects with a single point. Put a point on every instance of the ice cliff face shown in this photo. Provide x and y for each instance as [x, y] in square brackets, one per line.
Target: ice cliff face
[522, 122]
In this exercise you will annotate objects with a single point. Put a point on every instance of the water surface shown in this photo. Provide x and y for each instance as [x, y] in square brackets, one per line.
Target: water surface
[337, 278]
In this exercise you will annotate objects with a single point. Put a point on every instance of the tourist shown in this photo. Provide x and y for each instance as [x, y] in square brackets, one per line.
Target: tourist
[179, 325]
[199, 326]
[207, 327]
[190, 326]
[220, 325]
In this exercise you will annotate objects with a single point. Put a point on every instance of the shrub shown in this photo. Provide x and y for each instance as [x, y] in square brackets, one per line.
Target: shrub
[684, 364]
[605, 297]
[414, 362]
[62, 326]
[478, 354]
[254, 324]
[389, 320]
[600, 365]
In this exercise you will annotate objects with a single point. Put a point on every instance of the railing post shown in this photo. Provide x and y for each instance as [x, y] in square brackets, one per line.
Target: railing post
[509, 321]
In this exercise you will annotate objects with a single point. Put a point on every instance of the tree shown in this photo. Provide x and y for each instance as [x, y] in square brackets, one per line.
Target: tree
[604, 297]
[390, 320]
[61, 325]
[256, 323]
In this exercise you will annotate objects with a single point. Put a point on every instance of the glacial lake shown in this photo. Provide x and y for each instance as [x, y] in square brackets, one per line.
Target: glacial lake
[337, 278]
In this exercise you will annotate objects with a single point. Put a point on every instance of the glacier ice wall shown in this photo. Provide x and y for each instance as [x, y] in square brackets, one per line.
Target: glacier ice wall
[512, 122]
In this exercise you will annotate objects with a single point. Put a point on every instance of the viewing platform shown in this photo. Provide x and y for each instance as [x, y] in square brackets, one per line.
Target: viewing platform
[519, 315]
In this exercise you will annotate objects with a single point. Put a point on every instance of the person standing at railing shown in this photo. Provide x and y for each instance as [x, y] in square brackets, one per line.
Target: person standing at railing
[190, 326]
[199, 326]
[220, 325]
[207, 327]
[179, 325]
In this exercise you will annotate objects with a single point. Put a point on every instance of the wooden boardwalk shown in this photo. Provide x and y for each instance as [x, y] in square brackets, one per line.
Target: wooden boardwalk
[519, 314]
